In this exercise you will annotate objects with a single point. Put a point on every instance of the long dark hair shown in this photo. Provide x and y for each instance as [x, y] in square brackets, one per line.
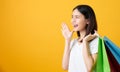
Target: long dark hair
[89, 14]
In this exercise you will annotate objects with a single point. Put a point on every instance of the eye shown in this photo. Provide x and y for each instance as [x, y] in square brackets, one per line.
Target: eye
[77, 16]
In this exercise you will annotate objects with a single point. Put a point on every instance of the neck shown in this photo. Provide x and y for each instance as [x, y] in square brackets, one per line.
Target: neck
[82, 34]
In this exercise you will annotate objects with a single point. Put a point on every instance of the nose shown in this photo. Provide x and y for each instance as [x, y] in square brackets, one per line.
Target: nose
[73, 21]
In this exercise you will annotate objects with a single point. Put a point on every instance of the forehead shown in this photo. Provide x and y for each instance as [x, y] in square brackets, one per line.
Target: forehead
[76, 12]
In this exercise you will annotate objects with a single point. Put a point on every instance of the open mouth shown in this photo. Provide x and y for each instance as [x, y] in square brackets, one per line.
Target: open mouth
[75, 26]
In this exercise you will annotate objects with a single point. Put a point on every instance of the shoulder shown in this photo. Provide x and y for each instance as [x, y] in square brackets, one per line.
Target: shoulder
[73, 41]
[94, 45]
[95, 40]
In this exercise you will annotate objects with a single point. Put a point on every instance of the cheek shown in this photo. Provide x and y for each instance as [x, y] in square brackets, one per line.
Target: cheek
[78, 21]
[82, 24]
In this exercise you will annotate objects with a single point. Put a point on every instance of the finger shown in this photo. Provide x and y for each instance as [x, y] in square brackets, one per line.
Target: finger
[63, 26]
[62, 31]
[94, 36]
[96, 33]
[89, 34]
[72, 31]
[66, 26]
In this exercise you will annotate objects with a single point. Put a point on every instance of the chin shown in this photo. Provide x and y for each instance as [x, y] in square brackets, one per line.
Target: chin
[76, 30]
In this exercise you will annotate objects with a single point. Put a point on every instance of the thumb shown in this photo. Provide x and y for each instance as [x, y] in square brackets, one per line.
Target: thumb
[94, 36]
[73, 31]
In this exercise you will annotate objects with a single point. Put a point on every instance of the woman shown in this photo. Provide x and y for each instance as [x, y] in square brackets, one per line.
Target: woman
[80, 54]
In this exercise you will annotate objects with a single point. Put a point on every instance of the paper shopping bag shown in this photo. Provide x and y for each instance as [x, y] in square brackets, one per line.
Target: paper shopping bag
[114, 65]
[102, 64]
[113, 48]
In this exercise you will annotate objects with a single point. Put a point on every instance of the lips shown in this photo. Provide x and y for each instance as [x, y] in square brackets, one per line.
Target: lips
[75, 25]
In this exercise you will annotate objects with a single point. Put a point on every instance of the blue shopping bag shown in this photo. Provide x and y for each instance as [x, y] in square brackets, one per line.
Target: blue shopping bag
[115, 50]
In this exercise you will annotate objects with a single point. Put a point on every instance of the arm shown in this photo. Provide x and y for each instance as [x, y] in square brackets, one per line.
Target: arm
[66, 55]
[67, 35]
[89, 59]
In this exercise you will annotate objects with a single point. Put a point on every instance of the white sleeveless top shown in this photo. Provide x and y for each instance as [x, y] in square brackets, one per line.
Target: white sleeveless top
[76, 61]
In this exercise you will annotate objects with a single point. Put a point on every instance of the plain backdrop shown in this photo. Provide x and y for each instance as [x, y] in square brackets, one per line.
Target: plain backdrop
[30, 31]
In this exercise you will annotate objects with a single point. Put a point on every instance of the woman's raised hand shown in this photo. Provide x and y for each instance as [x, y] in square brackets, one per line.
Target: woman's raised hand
[66, 32]
[90, 37]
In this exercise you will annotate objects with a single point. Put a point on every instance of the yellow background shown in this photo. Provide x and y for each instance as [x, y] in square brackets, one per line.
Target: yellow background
[30, 35]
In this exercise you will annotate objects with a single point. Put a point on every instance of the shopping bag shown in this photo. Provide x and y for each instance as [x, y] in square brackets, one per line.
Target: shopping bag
[114, 65]
[113, 48]
[102, 64]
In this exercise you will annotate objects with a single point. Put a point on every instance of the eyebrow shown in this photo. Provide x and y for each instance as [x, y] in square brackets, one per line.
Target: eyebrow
[76, 15]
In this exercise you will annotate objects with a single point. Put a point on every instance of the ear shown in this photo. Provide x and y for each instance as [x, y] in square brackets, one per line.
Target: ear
[87, 21]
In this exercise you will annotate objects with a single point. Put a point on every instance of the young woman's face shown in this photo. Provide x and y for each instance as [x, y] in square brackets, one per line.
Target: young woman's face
[78, 21]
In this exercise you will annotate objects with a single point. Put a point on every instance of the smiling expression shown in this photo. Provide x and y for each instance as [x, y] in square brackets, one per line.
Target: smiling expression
[78, 21]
